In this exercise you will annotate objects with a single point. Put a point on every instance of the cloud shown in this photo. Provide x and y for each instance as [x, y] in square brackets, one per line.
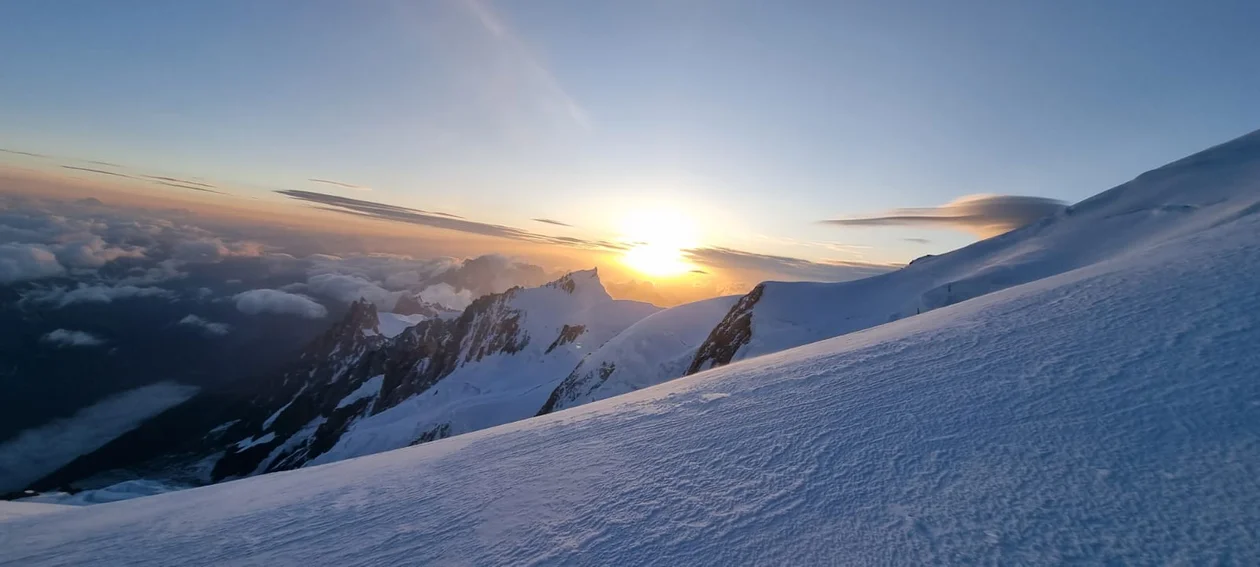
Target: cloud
[160, 180]
[97, 171]
[165, 270]
[982, 215]
[178, 181]
[38, 451]
[396, 213]
[783, 266]
[22, 153]
[918, 240]
[555, 222]
[92, 252]
[347, 288]
[210, 250]
[447, 296]
[68, 338]
[256, 301]
[21, 262]
[84, 293]
[340, 184]
[207, 327]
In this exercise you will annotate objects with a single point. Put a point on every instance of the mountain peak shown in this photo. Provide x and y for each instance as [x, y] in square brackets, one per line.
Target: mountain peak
[584, 283]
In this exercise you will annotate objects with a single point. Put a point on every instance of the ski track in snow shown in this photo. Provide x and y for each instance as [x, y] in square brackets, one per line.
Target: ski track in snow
[1110, 414]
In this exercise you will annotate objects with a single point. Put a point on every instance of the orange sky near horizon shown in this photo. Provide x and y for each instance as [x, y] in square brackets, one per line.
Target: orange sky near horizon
[672, 280]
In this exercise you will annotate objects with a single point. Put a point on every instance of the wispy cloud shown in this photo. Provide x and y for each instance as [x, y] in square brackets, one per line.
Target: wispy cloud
[69, 338]
[918, 240]
[97, 171]
[22, 153]
[341, 184]
[178, 181]
[983, 215]
[783, 266]
[396, 213]
[160, 180]
[555, 222]
[104, 163]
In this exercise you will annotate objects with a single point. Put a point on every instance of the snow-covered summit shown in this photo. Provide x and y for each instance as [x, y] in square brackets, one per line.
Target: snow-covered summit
[1189, 195]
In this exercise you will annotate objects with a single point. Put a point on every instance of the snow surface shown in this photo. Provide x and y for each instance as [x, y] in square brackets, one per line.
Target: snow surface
[368, 389]
[10, 510]
[656, 349]
[250, 442]
[393, 324]
[1104, 415]
[1182, 197]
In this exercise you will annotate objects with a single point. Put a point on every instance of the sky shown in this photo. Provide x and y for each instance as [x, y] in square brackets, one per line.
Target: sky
[730, 127]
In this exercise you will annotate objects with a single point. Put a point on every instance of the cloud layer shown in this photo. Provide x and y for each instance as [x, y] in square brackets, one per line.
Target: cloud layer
[982, 215]
[84, 293]
[209, 328]
[256, 301]
[69, 338]
[20, 262]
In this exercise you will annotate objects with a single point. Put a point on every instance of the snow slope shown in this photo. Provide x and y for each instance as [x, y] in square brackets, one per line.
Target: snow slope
[1181, 197]
[10, 510]
[656, 349]
[1104, 415]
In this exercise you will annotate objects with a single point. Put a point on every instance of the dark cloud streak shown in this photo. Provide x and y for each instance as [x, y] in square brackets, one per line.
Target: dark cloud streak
[341, 184]
[22, 153]
[731, 259]
[984, 215]
[383, 211]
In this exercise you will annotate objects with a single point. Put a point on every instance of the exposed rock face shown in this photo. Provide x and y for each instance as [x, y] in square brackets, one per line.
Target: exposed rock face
[729, 336]
[568, 334]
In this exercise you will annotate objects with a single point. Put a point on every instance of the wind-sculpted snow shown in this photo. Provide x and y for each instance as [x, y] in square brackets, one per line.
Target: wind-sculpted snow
[1181, 197]
[1106, 415]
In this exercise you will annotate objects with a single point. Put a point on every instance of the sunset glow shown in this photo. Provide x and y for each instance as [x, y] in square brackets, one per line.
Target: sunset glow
[659, 239]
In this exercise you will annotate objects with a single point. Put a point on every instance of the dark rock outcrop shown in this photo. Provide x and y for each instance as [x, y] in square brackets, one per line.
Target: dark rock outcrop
[724, 342]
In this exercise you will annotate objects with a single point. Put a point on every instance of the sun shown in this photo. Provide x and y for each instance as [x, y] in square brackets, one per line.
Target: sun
[658, 239]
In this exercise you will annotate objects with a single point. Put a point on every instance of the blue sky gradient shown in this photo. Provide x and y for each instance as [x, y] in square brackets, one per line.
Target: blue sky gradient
[756, 118]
